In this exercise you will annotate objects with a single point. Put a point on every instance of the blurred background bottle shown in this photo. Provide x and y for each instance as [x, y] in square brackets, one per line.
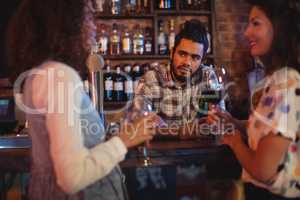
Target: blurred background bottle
[118, 85]
[115, 41]
[128, 84]
[172, 35]
[162, 40]
[148, 40]
[103, 40]
[108, 83]
[138, 40]
[137, 74]
[116, 7]
[126, 42]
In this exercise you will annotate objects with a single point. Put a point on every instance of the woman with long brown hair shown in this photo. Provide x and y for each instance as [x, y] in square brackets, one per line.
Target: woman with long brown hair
[271, 159]
[50, 40]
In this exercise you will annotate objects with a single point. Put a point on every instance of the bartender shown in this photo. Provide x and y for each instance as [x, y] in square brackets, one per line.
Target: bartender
[173, 91]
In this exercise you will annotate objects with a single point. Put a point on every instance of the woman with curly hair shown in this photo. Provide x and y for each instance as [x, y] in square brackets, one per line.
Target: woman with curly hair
[271, 159]
[70, 159]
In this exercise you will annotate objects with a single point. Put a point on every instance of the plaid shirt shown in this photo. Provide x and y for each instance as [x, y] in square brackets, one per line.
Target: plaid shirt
[175, 103]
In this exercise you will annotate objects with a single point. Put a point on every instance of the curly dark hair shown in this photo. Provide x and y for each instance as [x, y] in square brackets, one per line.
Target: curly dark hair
[284, 15]
[46, 30]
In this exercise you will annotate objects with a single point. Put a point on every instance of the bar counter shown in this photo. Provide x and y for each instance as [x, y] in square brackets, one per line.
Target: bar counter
[179, 167]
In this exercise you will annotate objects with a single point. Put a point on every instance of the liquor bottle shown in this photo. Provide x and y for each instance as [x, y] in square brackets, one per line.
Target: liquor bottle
[100, 6]
[115, 41]
[126, 42]
[131, 7]
[146, 67]
[167, 4]
[128, 84]
[116, 7]
[209, 41]
[136, 75]
[138, 41]
[162, 40]
[161, 4]
[118, 85]
[138, 6]
[148, 40]
[103, 40]
[171, 35]
[145, 7]
[189, 4]
[108, 83]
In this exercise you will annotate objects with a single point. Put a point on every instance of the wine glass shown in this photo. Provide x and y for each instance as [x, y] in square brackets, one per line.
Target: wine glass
[212, 94]
[144, 111]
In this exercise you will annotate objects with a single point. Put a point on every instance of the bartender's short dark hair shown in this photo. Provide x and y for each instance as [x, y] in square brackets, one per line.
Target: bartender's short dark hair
[193, 30]
[284, 16]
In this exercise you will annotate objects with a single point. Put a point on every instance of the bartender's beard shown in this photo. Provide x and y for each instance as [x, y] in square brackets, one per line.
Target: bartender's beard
[179, 78]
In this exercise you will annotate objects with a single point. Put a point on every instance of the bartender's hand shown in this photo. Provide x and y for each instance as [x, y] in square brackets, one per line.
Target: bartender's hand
[139, 131]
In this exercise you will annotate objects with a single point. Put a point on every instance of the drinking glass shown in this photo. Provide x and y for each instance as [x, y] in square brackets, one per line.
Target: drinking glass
[144, 111]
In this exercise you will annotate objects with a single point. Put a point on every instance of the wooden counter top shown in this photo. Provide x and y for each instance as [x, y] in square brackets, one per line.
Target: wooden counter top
[15, 155]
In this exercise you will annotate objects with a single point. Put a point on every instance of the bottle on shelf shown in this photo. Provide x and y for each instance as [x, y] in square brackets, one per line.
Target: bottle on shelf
[115, 41]
[201, 4]
[126, 42]
[138, 6]
[172, 35]
[162, 40]
[146, 67]
[145, 6]
[161, 4]
[187, 4]
[208, 35]
[209, 43]
[131, 7]
[128, 83]
[103, 40]
[148, 40]
[118, 85]
[165, 4]
[115, 7]
[138, 41]
[136, 75]
[190, 4]
[108, 83]
[100, 6]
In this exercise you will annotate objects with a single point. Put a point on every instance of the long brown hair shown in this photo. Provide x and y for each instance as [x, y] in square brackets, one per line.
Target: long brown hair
[46, 30]
[284, 15]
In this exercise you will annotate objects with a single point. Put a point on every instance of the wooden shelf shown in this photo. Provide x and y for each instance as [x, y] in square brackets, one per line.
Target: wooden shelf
[137, 57]
[135, 16]
[143, 57]
[182, 12]
[114, 105]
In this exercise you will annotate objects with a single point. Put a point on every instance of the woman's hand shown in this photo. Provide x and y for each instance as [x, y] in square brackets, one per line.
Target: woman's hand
[216, 114]
[232, 138]
[139, 131]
